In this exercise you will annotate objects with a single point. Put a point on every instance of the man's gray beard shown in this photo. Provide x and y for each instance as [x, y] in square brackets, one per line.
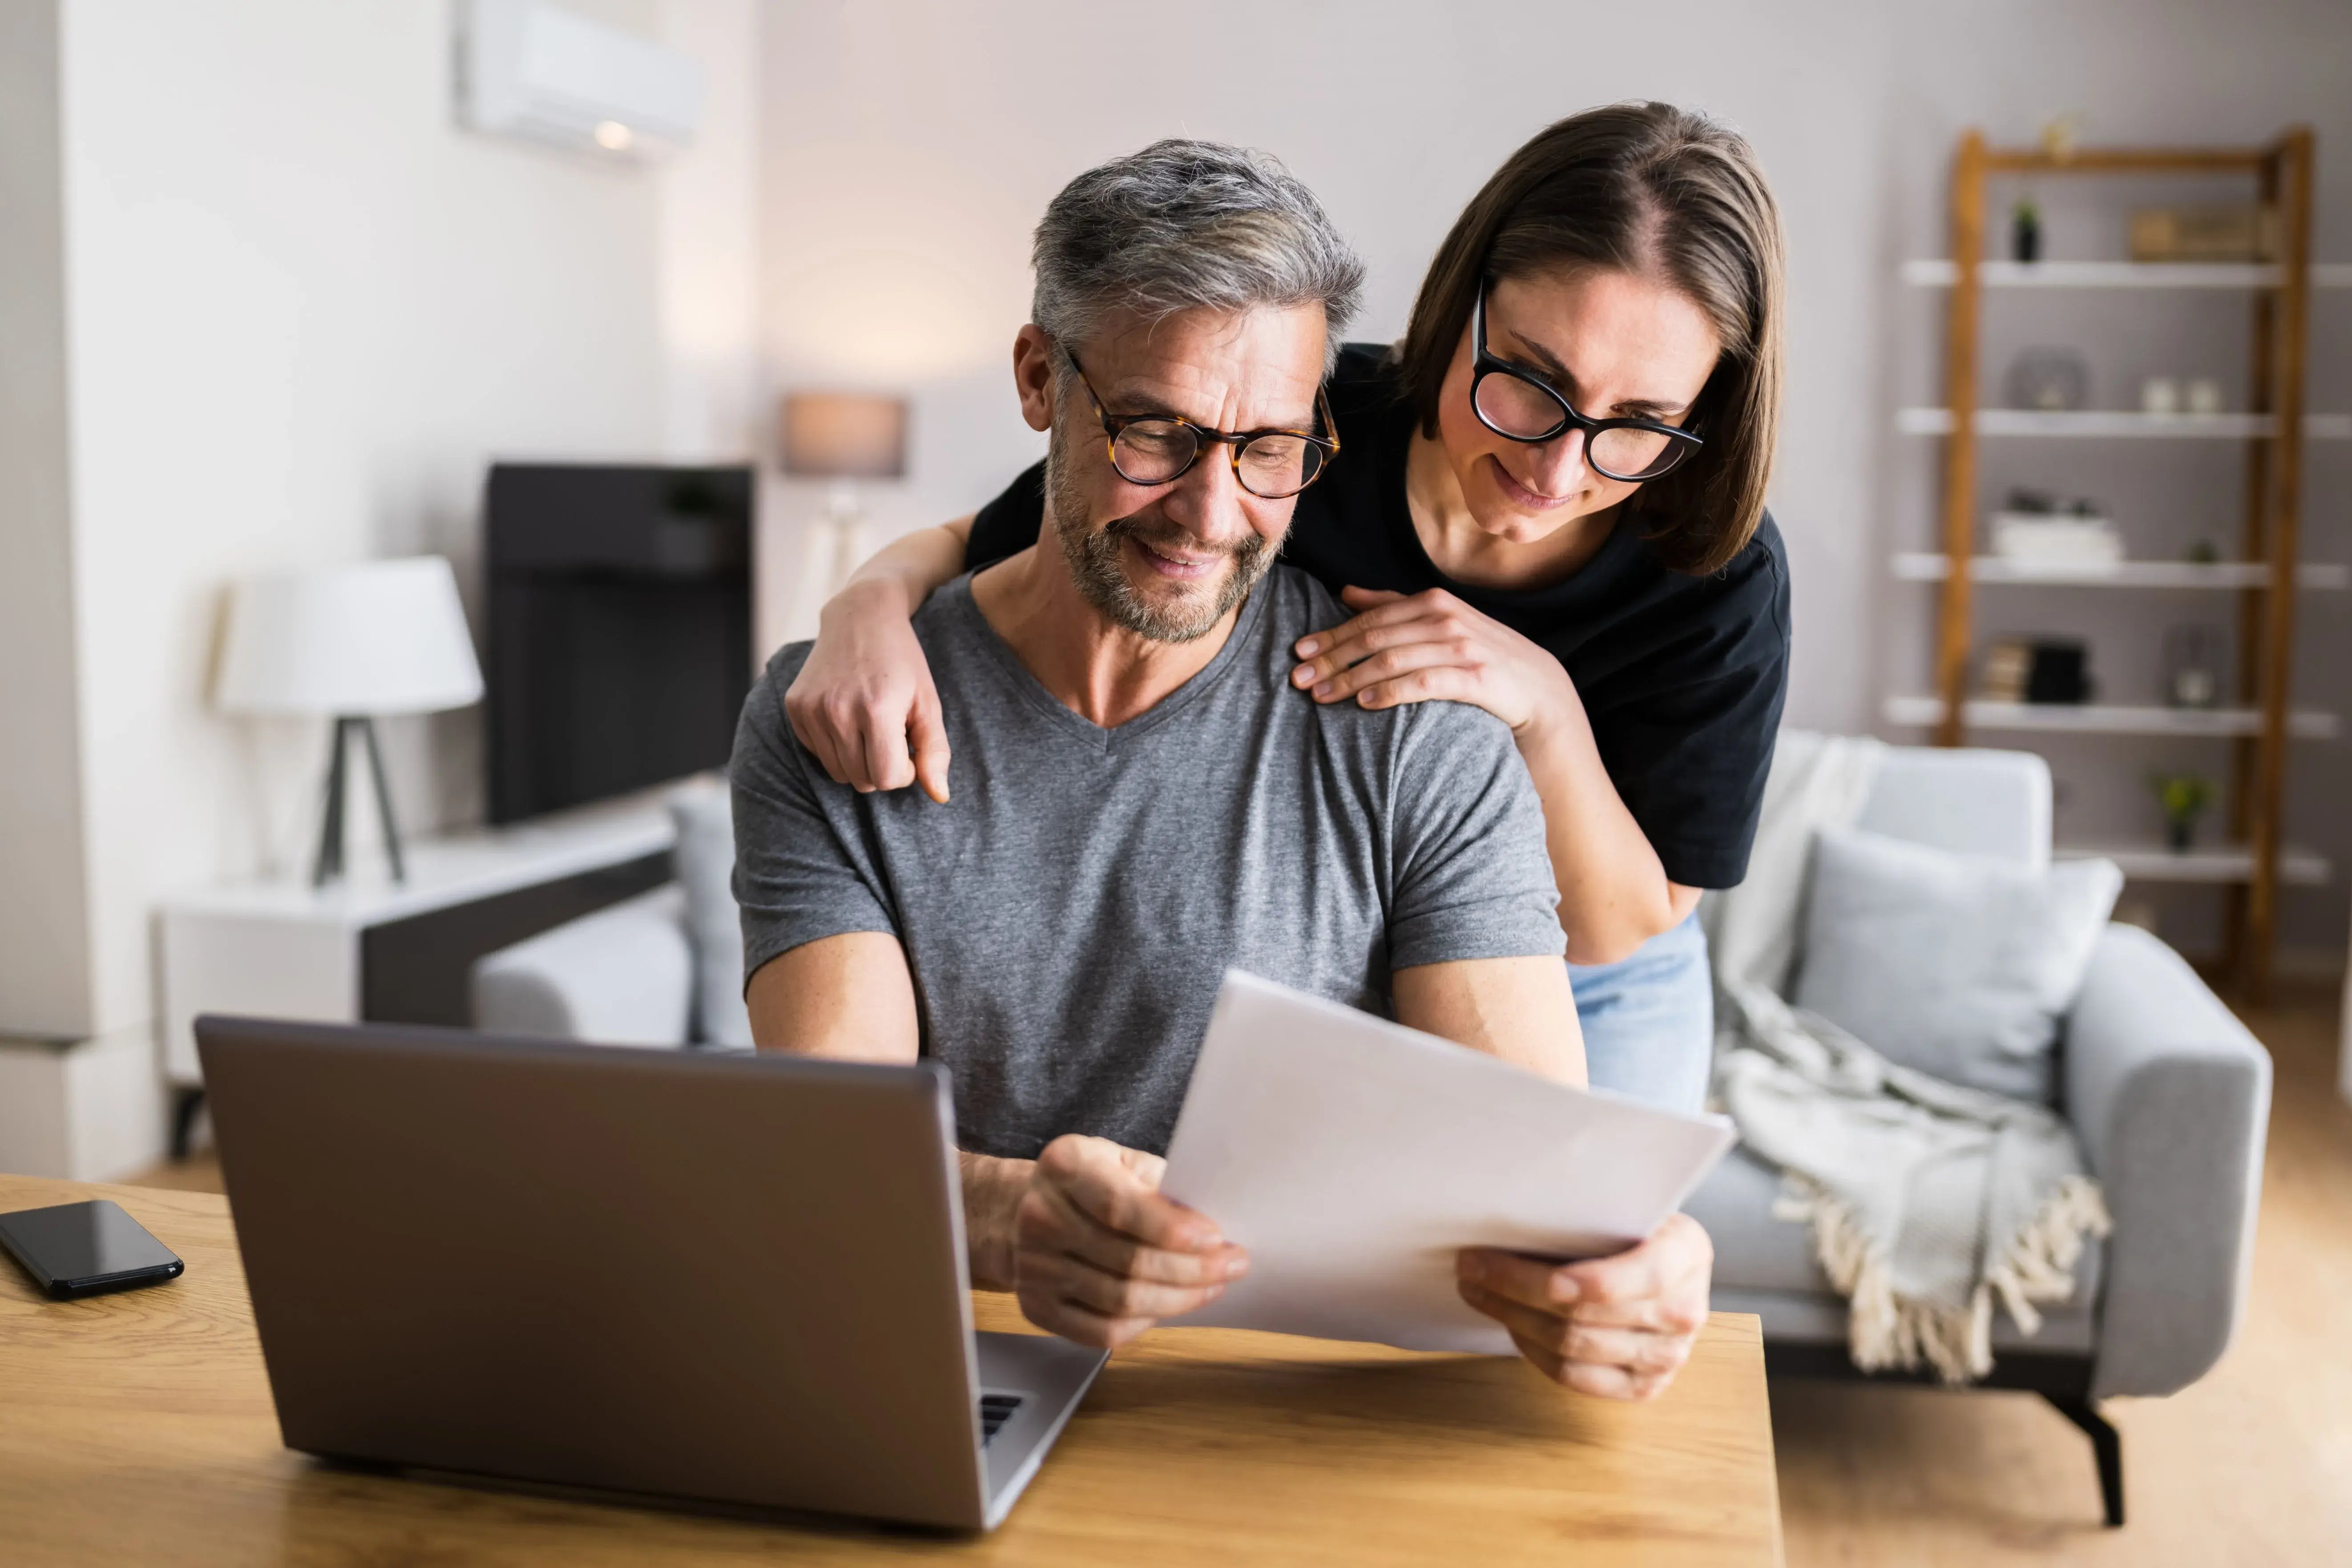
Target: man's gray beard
[1095, 562]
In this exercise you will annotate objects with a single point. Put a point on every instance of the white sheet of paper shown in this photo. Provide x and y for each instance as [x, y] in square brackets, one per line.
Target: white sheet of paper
[1353, 1157]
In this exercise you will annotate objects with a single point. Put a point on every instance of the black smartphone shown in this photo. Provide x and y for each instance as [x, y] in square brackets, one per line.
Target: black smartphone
[84, 1249]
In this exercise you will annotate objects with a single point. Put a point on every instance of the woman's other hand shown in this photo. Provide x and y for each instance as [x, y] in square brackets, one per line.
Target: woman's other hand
[864, 702]
[1616, 1327]
[1433, 645]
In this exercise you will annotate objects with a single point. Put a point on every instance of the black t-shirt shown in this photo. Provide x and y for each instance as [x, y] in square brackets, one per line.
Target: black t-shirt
[1682, 677]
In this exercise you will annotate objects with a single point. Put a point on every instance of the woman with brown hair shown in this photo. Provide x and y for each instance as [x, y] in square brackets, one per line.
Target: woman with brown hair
[1550, 505]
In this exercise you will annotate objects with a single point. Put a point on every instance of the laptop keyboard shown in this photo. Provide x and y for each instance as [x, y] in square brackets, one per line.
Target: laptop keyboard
[995, 1410]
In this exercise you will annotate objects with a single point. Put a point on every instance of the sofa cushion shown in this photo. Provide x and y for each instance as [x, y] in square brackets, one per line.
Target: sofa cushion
[621, 976]
[1960, 965]
[705, 858]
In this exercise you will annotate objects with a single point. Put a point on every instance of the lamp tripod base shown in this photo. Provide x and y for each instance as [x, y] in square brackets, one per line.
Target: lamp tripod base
[330, 866]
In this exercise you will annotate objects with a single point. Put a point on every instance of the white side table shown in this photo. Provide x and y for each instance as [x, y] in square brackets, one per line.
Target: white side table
[371, 949]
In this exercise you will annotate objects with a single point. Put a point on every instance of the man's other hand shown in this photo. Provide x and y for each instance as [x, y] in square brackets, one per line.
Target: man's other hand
[1102, 1256]
[1617, 1327]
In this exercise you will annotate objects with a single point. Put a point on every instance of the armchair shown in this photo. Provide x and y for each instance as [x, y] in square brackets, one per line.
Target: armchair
[2168, 1094]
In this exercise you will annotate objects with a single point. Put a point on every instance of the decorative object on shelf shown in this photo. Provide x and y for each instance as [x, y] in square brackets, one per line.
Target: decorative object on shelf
[2159, 395]
[2007, 662]
[2192, 667]
[2037, 669]
[2201, 552]
[2036, 530]
[350, 643]
[2204, 234]
[2025, 232]
[2060, 134]
[2060, 672]
[2204, 396]
[2049, 380]
[2184, 797]
[844, 437]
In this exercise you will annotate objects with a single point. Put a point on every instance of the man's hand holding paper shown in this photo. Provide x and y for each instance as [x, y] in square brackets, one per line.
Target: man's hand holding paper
[1391, 1186]
[1618, 1327]
[1087, 1241]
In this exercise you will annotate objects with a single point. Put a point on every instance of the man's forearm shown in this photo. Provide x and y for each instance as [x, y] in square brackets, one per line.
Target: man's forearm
[992, 1189]
[1516, 1008]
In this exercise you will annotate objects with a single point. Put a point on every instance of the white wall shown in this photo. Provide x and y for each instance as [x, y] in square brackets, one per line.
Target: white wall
[44, 931]
[305, 310]
[909, 147]
[709, 238]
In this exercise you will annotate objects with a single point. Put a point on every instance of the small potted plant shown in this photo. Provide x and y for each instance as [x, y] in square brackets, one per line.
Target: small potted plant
[2184, 797]
[2025, 231]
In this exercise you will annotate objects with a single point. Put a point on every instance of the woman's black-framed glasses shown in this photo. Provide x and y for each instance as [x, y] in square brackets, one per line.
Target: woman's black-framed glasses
[1160, 448]
[1519, 405]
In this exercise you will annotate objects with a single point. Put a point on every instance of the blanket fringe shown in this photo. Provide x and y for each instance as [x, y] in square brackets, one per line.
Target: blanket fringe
[2039, 1263]
[1890, 1331]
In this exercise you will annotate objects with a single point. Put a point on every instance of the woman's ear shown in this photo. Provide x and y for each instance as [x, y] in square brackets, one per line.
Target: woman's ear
[1033, 375]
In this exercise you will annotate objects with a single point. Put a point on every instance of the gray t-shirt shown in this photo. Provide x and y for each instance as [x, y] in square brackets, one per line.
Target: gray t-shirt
[1069, 914]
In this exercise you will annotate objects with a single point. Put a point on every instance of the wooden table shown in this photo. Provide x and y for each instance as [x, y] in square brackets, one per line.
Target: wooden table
[137, 1429]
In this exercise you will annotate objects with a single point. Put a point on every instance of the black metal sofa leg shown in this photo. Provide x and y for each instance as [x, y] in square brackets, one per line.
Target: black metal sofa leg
[184, 1120]
[2106, 1442]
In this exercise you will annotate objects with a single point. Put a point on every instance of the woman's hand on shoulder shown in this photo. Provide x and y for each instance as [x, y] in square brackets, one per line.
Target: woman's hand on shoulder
[863, 704]
[1431, 644]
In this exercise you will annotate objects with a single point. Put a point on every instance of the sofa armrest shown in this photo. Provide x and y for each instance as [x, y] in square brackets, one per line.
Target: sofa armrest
[622, 975]
[2170, 1097]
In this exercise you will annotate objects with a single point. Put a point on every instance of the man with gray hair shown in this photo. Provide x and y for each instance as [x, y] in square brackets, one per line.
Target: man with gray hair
[1154, 801]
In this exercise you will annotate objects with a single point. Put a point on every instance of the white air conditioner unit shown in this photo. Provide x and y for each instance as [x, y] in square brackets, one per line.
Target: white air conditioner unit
[532, 70]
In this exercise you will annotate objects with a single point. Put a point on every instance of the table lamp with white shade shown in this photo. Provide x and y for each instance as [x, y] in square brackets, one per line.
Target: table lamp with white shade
[353, 644]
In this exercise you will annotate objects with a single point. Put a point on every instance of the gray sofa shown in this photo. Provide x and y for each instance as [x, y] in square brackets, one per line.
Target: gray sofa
[2168, 1091]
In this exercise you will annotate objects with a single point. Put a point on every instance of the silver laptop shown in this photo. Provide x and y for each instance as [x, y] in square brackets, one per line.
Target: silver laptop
[732, 1280]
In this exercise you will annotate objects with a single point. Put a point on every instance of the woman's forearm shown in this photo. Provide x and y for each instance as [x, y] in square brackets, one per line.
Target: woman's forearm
[911, 565]
[1615, 894]
[863, 702]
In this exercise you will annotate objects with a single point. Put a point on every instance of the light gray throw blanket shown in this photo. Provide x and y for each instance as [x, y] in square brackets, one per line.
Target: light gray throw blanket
[1927, 1200]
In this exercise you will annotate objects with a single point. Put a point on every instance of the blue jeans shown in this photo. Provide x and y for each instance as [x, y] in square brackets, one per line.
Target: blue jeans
[1649, 1020]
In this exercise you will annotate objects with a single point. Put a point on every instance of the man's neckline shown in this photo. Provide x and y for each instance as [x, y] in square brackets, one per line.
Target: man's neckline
[1107, 676]
[957, 599]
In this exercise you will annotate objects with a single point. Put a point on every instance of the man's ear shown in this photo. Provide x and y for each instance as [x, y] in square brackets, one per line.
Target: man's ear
[1033, 375]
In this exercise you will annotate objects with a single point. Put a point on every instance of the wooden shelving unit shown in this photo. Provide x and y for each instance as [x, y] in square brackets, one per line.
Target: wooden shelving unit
[2267, 576]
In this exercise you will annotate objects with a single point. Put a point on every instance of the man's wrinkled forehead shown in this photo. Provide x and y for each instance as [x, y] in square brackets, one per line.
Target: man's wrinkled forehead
[1245, 370]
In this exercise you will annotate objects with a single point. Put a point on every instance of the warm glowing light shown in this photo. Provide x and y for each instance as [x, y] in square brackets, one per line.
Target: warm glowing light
[613, 136]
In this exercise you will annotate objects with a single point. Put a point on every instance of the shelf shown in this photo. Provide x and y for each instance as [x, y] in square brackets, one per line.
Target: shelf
[1930, 566]
[2118, 422]
[1936, 272]
[2108, 719]
[2217, 863]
